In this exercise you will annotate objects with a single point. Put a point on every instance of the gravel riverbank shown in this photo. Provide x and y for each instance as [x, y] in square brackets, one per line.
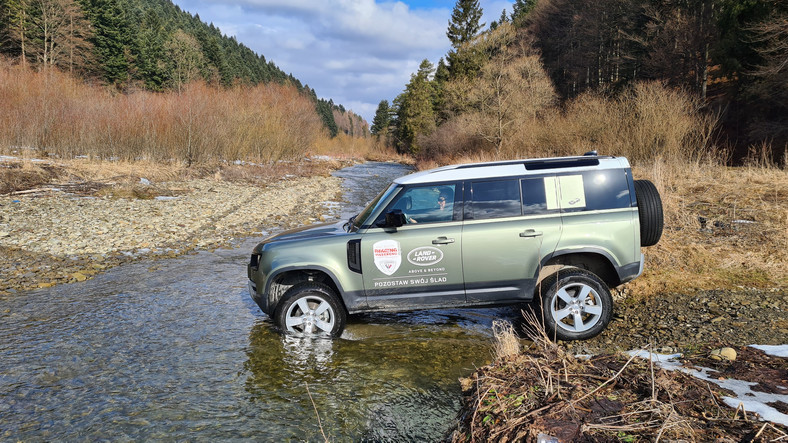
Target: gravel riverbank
[58, 237]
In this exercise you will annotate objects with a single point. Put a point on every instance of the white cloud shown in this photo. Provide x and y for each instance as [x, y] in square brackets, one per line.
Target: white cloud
[356, 52]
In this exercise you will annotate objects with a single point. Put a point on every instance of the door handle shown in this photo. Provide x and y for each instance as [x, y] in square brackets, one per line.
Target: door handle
[442, 241]
[530, 233]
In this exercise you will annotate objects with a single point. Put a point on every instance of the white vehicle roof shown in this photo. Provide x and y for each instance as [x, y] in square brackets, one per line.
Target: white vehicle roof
[513, 168]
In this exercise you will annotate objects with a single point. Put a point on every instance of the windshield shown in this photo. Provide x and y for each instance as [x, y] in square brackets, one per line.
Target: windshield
[358, 220]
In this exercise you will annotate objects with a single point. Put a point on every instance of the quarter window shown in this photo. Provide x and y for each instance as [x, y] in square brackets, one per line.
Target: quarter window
[594, 190]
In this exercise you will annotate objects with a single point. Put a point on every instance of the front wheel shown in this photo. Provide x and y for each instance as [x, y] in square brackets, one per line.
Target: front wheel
[577, 304]
[310, 309]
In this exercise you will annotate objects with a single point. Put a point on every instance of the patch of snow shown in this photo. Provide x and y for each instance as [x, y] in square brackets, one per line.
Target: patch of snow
[8, 158]
[667, 361]
[774, 350]
[165, 198]
[752, 401]
[144, 181]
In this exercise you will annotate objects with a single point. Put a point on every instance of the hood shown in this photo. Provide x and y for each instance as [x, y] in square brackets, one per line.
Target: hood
[308, 232]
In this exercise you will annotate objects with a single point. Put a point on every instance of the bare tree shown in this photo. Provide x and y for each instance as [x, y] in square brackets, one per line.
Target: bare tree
[186, 58]
[512, 87]
[58, 34]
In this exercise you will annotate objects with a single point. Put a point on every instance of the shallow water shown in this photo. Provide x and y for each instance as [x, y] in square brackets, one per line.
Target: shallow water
[175, 349]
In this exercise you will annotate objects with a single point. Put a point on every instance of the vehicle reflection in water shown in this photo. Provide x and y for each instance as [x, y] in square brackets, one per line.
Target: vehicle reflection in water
[390, 376]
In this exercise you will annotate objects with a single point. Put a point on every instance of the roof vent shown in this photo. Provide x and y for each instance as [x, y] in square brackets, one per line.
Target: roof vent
[591, 153]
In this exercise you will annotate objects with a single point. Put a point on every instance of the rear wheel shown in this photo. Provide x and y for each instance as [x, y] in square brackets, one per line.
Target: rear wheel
[577, 304]
[310, 309]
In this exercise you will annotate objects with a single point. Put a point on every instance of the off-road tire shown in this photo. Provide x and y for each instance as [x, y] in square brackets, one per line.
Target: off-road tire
[649, 212]
[310, 296]
[594, 303]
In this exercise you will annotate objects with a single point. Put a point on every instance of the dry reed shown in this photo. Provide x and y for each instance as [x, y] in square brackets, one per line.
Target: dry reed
[56, 115]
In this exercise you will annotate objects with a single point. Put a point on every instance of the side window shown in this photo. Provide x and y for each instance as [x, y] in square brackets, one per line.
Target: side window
[495, 199]
[425, 204]
[594, 190]
[537, 197]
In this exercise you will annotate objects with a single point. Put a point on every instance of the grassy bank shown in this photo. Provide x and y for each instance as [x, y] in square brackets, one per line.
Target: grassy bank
[724, 228]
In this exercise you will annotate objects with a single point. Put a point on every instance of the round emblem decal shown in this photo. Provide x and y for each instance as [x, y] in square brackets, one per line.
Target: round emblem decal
[425, 256]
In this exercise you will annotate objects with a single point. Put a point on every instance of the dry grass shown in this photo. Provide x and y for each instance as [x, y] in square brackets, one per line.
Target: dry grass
[506, 341]
[345, 147]
[724, 228]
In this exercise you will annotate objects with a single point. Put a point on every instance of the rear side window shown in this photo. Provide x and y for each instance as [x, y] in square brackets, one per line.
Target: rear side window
[594, 190]
[537, 197]
[495, 199]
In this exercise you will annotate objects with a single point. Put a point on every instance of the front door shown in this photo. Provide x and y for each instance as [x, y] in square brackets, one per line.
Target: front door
[418, 265]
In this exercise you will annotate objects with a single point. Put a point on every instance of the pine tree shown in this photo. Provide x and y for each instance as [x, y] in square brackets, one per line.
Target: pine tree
[325, 111]
[415, 115]
[110, 39]
[464, 27]
[152, 68]
[382, 119]
[520, 11]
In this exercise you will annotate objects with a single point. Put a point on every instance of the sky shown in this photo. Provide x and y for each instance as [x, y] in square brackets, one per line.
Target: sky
[356, 52]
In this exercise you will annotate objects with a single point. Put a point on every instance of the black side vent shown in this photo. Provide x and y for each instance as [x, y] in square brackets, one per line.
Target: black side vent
[354, 255]
[255, 261]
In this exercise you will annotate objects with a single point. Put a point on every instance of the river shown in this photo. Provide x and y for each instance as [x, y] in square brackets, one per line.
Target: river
[176, 350]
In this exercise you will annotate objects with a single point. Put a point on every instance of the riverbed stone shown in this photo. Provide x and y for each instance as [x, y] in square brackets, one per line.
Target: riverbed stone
[726, 354]
[46, 232]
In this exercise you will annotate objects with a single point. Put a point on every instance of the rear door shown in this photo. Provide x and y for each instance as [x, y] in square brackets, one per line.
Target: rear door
[509, 226]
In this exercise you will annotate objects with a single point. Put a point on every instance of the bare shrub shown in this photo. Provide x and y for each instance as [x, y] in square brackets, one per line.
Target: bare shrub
[57, 115]
[455, 138]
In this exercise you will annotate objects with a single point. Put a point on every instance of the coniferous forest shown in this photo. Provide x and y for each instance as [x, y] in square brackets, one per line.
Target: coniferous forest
[643, 78]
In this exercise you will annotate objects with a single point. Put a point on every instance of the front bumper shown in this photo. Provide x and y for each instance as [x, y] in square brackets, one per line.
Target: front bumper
[258, 298]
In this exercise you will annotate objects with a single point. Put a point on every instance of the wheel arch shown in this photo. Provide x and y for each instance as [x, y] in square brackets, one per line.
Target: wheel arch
[598, 262]
[285, 278]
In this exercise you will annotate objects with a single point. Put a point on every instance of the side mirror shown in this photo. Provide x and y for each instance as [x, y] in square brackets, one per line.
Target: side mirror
[395, 218]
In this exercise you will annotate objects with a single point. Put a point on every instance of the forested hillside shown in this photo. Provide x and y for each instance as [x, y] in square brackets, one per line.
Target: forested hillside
[137, 44]
[556, 76]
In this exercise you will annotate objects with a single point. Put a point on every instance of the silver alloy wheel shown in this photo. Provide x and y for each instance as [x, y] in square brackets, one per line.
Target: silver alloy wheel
[309, 315]
[576, 307]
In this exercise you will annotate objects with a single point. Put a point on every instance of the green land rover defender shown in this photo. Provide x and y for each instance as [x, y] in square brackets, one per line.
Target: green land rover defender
[559, 232]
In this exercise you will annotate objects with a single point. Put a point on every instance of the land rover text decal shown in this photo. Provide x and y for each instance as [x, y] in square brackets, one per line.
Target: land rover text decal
[387, 256]
[425, 256]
